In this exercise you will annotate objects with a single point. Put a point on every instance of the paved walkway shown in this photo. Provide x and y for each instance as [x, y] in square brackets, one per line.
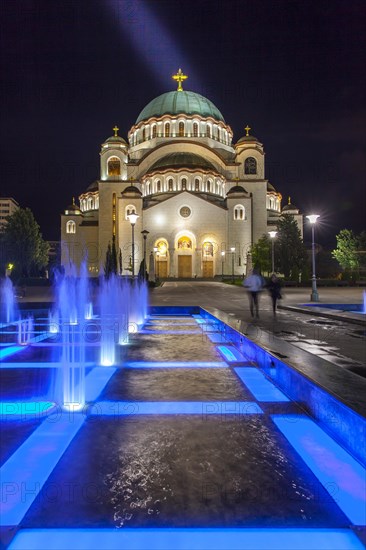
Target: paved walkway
[336, 340]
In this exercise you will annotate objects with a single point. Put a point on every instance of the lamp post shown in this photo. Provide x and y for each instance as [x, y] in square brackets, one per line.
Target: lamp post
[144, 234]
[232, 262]
[133, 219]
[222, 264]
[314, 296]
[273, 235]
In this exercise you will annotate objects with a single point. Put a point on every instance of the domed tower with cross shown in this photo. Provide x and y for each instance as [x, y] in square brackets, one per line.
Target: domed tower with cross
[201, 200]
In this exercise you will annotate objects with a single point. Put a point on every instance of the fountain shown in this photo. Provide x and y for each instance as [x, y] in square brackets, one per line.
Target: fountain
[71, 296]
[7, 299]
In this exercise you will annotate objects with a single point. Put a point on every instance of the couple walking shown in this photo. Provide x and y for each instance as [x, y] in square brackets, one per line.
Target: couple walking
[254, 284]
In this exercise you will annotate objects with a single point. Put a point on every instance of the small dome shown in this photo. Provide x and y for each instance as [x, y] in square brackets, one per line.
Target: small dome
[270, 187]
[116, 139]
[182, 160]
[246, 139]
[131, 189]
[73, 208]
[236, 189]
[176, 103]
[289, 207]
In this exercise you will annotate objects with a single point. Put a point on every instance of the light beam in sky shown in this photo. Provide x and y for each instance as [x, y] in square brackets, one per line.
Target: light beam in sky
[152, 41]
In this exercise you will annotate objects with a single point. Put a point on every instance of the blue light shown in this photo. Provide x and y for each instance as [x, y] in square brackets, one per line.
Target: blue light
[231, 354]
[96, 381]
[259, 385]
[341, 475]
[35, 365]
[147, 331]
[182, 539]
[216, 337]
[25, 472]
[131, 408]
[9, 410]
[175, 365]
[6, 352]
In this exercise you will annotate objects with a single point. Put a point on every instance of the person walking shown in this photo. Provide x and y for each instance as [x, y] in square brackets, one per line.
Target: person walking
[254, 285]
[274, 289]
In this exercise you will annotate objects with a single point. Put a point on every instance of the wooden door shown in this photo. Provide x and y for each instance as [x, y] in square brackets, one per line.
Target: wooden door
[162, 269]
[185, 267]
[207, 269]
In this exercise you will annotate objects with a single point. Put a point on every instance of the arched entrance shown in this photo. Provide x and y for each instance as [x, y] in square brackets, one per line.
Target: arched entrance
[185, 251]
[207, 260]
[161, 266]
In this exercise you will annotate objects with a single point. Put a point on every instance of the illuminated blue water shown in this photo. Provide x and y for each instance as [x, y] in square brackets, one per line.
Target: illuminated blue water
[176, 447]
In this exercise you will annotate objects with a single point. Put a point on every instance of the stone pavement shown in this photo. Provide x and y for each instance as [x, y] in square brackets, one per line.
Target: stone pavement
[336, 340]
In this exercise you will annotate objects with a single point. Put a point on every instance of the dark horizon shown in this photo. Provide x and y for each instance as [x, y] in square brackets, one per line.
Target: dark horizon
[293, 71]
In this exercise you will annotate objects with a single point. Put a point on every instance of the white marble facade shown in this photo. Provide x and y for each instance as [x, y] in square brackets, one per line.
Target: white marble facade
[198, 194]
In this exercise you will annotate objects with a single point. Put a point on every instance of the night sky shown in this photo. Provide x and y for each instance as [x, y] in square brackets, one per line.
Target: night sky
[293, 70]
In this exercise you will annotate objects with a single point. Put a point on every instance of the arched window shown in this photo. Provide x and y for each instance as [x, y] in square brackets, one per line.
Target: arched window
[114, 166]
[272, 203]
[170, 184]
[147, 188]
[158, 186]
[130, 209]
[209, 186]
[239, 212]
[196, 184]
[208, 249]
[195, 129]
[181, 129]
[185, 243]
[167, 129]
[70, 226]
[208, 130]
[250, 166]
[154, 131]
[218, 133]
[143, 134]
[184, 184]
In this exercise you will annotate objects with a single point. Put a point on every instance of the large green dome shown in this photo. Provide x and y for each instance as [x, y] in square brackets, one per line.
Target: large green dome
[174, 103]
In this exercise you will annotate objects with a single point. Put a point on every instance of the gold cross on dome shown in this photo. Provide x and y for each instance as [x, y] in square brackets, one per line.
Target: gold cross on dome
[247, 128]
[115, 130]
[179, 77]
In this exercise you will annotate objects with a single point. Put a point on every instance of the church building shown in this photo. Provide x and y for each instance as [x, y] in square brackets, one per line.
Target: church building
[200, 200]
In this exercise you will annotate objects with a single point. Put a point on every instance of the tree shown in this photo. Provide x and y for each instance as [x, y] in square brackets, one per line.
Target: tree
[291, 254]
[261, 254]
[110, 265]
[350, 251]
[23, 245]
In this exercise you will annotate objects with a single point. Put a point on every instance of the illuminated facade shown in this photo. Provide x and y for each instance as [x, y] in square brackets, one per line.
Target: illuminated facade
[197, 193]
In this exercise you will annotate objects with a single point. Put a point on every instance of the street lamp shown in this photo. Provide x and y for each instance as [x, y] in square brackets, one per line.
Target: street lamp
[314, 296]
[222, 264]
[273, 235]
[144, 234]
[232, 262]
[133, 219]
